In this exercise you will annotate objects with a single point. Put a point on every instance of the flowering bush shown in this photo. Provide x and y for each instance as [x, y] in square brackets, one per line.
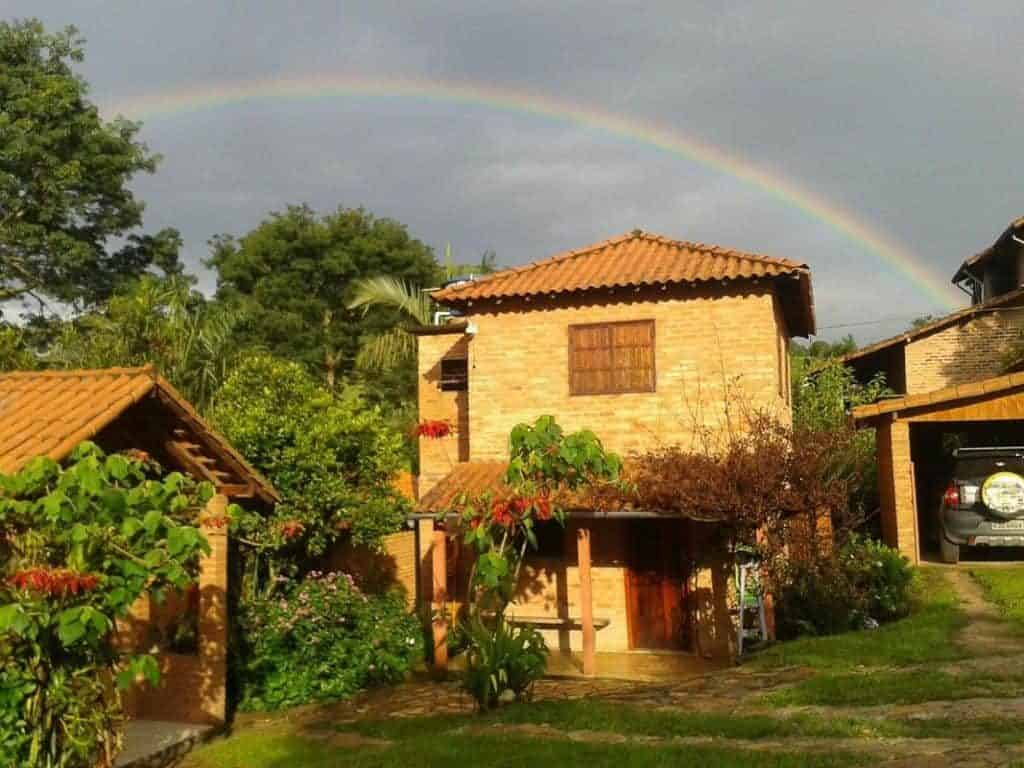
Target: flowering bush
[78, 545]
[546, 466]
[861, 584]
[323, 639]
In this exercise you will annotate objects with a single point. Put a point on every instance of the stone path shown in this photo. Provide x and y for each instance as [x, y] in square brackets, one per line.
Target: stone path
[986, 633]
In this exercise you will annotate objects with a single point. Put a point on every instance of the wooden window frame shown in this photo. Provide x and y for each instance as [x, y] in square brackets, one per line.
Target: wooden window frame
[654, 358]
[453, 383]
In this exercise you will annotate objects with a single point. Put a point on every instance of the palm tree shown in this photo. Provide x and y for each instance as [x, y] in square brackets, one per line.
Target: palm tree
[396, 346]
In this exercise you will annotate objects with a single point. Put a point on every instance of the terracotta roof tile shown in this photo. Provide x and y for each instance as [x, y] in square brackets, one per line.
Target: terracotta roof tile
[48, 413]
[469, 478]
[635, 259]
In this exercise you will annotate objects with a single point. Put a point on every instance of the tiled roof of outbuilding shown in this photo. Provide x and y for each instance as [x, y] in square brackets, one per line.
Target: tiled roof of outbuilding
[48, 413]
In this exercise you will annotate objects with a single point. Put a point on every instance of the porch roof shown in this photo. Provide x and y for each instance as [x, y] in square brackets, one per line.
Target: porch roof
[470, 479]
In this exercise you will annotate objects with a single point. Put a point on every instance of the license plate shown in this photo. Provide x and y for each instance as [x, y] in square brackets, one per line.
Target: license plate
[1012, 525]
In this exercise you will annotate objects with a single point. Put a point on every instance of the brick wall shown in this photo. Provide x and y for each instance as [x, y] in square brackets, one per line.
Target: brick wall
[969, 351]
[896, 487]
[712, 347]
[438, 455]
[193, 688]
[550, 587]
[373, 571]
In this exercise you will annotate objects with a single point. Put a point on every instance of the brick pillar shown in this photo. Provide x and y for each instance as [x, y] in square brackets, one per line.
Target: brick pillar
[896, 488]
[213, 615]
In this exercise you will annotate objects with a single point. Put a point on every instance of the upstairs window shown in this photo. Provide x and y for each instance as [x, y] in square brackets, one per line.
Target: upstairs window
[454, 375]
[611, 358]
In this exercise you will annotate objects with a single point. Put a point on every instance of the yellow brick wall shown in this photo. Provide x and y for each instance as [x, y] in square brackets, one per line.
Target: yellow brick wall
[970, 351]
[438, 455]
[550, 586]
[712, 347]
[896, 488]
[377, 571]
[193, 688]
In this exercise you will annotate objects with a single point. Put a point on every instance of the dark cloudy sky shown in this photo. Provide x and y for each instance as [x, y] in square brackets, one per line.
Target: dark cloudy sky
[906, 114]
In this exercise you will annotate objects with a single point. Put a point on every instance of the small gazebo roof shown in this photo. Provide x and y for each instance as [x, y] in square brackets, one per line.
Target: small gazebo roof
[48, 413]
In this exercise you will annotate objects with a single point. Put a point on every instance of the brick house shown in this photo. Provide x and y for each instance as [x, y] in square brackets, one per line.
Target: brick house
[953, 389]
[964, 346]
[48, 413]
[644, 340]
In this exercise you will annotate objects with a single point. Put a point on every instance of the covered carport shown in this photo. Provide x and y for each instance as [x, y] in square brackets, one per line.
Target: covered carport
[915, 437]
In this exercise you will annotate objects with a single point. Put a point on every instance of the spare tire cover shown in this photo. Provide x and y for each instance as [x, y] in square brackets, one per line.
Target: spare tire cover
[1003, 493]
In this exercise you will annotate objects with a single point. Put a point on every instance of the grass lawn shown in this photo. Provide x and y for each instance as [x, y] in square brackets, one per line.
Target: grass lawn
[1005, 588]
[630, 720]
[480, 741]
[853, 669]
[265, 750]
[875, 687]
[924, 636]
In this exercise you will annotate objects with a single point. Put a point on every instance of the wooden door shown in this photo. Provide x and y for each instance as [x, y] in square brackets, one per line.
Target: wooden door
[655, 584]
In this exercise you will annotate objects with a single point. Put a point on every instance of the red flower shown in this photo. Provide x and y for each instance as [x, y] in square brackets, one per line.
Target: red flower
[433, 429]
[290, 529]
[542, 506]
[54, 582]
[502, 513]
[218, 521]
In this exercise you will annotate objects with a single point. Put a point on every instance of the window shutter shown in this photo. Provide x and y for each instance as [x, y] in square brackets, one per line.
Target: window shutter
[611, 358]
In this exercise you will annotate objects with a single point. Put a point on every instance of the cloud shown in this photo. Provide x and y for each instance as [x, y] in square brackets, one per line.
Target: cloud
[904, 113]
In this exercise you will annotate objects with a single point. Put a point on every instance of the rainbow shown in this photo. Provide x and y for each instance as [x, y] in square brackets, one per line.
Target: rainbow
[670, 141]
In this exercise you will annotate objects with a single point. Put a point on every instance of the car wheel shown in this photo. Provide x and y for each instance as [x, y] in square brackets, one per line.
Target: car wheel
[949, 551]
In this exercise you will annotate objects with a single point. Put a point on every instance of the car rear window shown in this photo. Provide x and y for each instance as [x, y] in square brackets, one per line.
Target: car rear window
[982, 464]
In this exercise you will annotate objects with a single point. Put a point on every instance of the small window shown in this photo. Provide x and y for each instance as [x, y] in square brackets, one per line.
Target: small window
[454, 375]
[611, 358]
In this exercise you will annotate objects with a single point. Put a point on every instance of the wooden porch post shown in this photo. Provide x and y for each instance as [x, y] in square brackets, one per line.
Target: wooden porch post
[586, 599]
[440, 599]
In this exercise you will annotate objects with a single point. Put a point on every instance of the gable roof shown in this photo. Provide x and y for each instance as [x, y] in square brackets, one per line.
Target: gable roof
[1004, 299]
[637, 259]
[48, 413]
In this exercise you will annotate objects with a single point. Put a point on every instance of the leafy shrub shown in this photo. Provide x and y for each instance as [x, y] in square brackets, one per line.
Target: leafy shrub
[78, 546]
[330, 454]
[881, 575]
[323, 639]
[502, 658]
[862, 583]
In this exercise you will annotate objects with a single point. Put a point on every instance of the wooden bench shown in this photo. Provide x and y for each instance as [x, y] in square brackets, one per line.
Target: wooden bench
[555, 622]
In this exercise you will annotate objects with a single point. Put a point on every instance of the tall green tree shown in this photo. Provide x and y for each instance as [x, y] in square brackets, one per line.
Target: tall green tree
[296, 273]
[161, 321]
[64, 174]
